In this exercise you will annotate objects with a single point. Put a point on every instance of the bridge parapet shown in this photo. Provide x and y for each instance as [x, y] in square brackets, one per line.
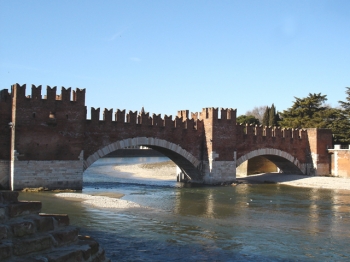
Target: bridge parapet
[144, 119]
[51, 96]
[213, 114]
[248, 131]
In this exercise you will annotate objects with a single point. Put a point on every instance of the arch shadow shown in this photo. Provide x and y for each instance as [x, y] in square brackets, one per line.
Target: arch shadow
[284, 161]
[188, 164]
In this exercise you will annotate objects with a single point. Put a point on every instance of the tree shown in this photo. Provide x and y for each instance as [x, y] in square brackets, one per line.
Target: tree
[346, 105]
[336, 120]
[273, 116]
[257, 112]
[250, 120]
[266, 117]
[342, 125]
[305, 113]
[270, 117]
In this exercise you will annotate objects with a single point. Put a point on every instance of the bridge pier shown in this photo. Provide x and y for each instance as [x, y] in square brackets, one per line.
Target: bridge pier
[51, 174]
[219, 172]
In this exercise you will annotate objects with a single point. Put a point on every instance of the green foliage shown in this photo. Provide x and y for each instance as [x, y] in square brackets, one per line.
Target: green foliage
[305, 113]
[310, 112]
[342, 126]
[339, 123]
[266, 117]
[270, 117]
[346, 105]
[243, 119]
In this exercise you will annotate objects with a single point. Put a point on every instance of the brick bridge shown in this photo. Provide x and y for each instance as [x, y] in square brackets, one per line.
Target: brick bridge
[48, 141]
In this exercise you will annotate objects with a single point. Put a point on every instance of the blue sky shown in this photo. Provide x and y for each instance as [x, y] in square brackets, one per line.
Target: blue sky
[175, 55]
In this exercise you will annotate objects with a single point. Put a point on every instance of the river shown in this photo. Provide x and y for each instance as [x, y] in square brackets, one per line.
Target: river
[258, 222]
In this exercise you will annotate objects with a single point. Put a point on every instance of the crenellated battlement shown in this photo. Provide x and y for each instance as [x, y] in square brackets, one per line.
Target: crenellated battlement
[5, 96]
[51, 94]
[246, 131]
[212, 113]
[144, 118]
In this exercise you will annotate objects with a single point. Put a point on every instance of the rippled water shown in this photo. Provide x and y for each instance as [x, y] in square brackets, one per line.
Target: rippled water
[260, 222]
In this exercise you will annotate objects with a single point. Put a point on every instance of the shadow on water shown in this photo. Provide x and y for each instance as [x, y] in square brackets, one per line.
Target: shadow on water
[271, 178]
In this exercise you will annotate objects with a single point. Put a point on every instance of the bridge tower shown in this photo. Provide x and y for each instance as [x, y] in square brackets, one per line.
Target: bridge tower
[43, 138]
[220, 136]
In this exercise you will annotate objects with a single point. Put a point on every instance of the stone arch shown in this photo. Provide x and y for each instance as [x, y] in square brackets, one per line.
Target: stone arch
[283, 160]
[188, 164]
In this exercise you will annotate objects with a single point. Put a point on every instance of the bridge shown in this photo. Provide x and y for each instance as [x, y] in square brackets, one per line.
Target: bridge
[47, 141]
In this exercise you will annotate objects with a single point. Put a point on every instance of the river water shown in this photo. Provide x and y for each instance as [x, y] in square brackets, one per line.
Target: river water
[259, 222]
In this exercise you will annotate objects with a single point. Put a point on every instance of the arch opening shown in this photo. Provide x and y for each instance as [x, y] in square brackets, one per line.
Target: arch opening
[266, 161]
[185, 161]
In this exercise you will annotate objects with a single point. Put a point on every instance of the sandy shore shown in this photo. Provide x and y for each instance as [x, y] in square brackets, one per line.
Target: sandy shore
[99, 201]
[299, 180]
[150, 171]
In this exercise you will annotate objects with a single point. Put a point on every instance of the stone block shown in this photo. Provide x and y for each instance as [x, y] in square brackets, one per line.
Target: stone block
[24, 246]
[62, 220]
[93, 245]
[8, 197]
[23, 228]
[44, 223]
[24, 208]
[69, 254]
[3, 232]
[2, 213]
[65, 236]
[5, 250]
[30, 259]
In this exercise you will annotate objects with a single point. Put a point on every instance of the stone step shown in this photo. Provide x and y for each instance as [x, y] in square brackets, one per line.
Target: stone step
[23, 208]
[65, 235]
[29, 225]
[28, 235]
[85, 249]
[7, 197]
[19, 246]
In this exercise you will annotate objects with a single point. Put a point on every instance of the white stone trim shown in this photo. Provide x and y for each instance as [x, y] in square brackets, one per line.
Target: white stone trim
[269, 151]
[140, 141]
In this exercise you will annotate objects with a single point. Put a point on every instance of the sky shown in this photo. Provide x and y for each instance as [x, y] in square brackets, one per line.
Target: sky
[167, 56]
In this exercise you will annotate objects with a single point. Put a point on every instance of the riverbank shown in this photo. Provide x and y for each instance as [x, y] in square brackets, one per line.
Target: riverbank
[298, 180]
[145, 171]
[167, 171]
[104, 200]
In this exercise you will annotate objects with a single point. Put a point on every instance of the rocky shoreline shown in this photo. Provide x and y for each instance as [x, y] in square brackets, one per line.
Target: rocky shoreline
[28, 235]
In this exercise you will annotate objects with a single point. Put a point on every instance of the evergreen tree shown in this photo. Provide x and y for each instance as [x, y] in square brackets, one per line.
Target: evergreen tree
[346, 105]
[305, 113]
[266, 117]
[273, 117]
[342, 127]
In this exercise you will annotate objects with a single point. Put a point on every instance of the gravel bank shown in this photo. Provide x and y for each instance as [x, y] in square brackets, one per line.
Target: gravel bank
[99, 201]
[299, 180]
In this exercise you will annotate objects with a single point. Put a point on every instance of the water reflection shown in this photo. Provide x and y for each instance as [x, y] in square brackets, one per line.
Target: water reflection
[266, 222]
